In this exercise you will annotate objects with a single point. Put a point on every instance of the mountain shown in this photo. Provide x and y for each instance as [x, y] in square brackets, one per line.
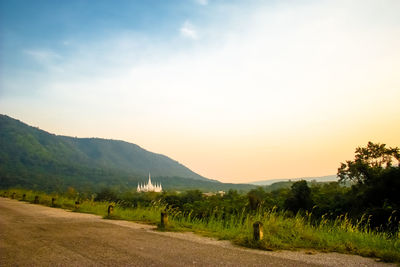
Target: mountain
[33, 158]
[328, 178]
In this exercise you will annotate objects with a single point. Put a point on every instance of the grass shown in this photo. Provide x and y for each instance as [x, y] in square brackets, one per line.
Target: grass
[288, 233]
[280, 231]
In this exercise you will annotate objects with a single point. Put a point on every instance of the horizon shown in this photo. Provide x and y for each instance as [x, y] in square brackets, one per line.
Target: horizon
[235, 91]
[155, 152]
[95, 137]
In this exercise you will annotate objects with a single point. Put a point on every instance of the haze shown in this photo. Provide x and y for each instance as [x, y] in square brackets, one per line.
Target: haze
[237, 91]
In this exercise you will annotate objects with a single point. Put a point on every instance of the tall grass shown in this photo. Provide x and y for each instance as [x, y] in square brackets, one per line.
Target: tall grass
[299, 232]
[280, 230]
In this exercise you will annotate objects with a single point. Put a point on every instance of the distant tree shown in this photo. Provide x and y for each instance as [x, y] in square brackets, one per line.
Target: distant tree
[172, 200]
[231, 195]
[330, 199]
[256, 197]
[299, 197]
[191, 196]
[106, 194]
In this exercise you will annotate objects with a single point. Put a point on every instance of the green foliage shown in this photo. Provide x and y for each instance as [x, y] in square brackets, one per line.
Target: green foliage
[376, 192]
[330, 199]
[299, 197]
[369, 162]
[106, 194]
[32, 158]
[256, 198]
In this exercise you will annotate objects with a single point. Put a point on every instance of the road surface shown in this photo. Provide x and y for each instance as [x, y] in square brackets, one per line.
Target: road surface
[35, 235]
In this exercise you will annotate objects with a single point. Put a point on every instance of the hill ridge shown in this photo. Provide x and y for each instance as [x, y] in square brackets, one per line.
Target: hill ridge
[34, 158]
[87, 149]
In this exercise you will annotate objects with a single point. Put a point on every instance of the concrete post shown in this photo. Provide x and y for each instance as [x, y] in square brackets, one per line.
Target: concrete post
[110, 210]
[36, 201]
[164, 219]
[257, 231]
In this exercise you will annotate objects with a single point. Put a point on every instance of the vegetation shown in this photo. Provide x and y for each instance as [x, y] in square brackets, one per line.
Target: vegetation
[32, 158]
[376, 171]
[358, 215]
[282, 230]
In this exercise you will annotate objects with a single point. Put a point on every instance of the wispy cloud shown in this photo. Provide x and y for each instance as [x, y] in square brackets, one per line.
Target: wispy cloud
[47, 59]
[188, 31]
[202, 2]
[43, 56]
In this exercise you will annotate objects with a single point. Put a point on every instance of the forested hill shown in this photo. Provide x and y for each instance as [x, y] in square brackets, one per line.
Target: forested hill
[33, 158]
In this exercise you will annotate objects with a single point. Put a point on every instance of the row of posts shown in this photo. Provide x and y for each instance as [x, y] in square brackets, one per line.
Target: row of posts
[36, 199]
[53, 200]
[257, 226]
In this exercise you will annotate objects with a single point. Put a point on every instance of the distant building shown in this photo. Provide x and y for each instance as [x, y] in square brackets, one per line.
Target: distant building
[149, 187]
[210, 194]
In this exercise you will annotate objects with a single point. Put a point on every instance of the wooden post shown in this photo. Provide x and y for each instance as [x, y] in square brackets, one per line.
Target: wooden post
[53, 200]
[23, 197]
[164, 219]
[13, 195]
[110, 210]
[76, 205]
[257, 231]
[36, 201]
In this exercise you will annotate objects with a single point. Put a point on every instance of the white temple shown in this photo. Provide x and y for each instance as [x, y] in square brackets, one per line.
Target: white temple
[149, 187]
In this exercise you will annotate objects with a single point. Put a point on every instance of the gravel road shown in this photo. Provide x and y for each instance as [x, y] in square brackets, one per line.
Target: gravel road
[35, 235]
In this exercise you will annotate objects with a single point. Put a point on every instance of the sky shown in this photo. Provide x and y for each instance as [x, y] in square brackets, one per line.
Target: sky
[237, 91]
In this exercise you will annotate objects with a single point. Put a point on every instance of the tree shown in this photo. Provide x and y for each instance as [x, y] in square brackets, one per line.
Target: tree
[377, 178]
[330, 198]
[191, 196]
[369, 162]
[299, 197]
[106, 194]
[256, 197]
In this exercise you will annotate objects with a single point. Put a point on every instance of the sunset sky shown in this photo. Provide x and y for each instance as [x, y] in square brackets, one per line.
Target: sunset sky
[237, 91]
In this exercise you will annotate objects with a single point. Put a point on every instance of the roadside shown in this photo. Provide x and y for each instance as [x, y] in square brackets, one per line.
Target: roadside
[37, 235]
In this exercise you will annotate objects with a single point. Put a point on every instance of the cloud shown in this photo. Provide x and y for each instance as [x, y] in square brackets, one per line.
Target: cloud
[278, 65]
[259, 75]
[47, 59]
[188, 31]
[202, 2]
[43, 56]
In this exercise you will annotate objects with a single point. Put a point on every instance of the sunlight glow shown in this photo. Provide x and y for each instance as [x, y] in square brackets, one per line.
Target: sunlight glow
[275, 91]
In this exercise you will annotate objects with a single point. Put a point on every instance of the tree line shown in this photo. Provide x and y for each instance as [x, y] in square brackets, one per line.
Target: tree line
[373, 198]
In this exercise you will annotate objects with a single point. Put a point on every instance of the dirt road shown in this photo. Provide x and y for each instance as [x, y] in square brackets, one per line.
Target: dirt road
[41, 236]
